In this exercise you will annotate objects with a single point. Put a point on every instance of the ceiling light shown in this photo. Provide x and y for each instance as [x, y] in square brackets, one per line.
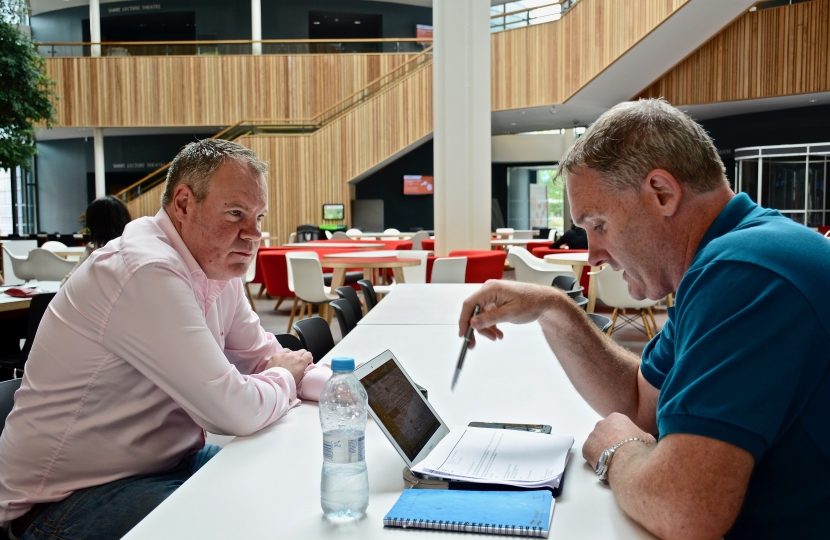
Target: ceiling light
[514, 124]
[316, 22]
[523, 112]
[813, 100]
[553, 110]
[357, 22]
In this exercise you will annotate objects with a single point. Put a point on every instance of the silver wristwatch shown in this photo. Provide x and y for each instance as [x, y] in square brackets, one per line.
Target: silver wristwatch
[605, 458]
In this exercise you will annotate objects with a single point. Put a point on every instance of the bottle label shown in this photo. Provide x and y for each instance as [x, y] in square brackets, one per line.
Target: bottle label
[343, 449]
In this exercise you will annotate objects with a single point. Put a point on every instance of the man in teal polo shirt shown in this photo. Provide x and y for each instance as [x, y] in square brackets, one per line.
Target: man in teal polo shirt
[722, 428]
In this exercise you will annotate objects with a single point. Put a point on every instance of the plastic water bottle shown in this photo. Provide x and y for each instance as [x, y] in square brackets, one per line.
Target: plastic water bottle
[344, 487]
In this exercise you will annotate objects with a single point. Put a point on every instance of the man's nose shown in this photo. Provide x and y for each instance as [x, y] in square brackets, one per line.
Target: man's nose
[251, 232]
[597, 255]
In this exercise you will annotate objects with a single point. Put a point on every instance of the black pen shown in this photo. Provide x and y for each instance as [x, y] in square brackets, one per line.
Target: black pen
[467, 337]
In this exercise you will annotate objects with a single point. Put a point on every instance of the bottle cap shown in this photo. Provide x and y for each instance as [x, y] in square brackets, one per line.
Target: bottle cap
[342, 364]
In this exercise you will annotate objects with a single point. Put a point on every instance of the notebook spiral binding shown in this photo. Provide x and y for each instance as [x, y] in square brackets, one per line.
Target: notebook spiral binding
[457, 526]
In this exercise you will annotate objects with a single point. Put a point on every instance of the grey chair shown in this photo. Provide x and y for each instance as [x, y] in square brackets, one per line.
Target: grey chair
[7, 390]
[345, 315]
[289, 341]
[602, 322]
[369, 295]
[315, 335]
[348, 293]
[417, 238]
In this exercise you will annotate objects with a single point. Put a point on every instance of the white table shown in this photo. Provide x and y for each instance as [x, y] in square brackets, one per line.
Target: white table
[429, 303]
[12, 303]
[334, 245]
[401, 236]
[268, 484]
[72, 251]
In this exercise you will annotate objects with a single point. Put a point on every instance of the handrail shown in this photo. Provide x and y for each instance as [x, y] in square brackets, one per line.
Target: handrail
[237, 41]
[525, 10]
[290, 122]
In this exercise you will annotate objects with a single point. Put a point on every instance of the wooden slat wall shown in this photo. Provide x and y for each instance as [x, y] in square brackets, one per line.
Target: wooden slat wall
[766, 53]
[207, 90]
[546, 64]
[307, 171]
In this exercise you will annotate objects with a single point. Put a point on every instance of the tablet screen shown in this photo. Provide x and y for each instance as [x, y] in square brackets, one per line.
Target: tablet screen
[400, 408]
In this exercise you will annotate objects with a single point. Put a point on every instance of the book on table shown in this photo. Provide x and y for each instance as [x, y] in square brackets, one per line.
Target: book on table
[518, 513]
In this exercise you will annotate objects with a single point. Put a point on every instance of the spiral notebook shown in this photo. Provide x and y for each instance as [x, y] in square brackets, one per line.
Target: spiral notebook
[513, 513]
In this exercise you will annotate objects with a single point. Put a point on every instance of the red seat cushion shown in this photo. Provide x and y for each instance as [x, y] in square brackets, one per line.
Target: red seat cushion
[428, 244]
[482, 265]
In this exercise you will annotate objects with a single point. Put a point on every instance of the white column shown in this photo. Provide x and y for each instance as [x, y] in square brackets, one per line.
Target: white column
[462, 170]
[95, 26]
[100, 184]
[256, 26]
[569, 139]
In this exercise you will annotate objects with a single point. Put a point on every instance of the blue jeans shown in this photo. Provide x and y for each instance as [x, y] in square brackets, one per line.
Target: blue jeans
[111, 510]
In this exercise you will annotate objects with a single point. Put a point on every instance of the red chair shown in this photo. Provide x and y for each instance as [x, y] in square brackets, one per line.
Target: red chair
[428, 244]
[258, 277]
[482, 265]
[541, 252]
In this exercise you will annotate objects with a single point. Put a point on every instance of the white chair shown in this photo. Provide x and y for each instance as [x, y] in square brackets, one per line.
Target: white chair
[48, 266]
[449, 270]
[827, 234]
[328, 235]
[391, 231]
[310, 287]
[292, 238]
[522, 235]
[552, 235]
[246, 282]
[505, 232]
[340, 235]
[417, 238]
[353, 232]
[289, 257]
[530, 269]
[612, 290]
[22, 267]
[53, 245]
[411, 274]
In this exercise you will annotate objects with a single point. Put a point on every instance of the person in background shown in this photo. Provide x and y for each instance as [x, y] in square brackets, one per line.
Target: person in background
[576, 238]
[105, 218]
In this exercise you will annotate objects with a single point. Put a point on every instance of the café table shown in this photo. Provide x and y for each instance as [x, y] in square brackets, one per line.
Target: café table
[268, 484]
[402, 235]
[368, 264]
[578, 261]
[13, 303]
[333, 245]
[73, 251]
[421, 303]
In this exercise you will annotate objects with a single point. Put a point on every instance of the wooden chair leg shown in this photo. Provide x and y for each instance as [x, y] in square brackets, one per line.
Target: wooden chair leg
[250, 297]
[279, 303]
[293, 313]
[646, 324]
[329, 311]
[310, 310]
[261, 290]
[613, 321]
[653, 322]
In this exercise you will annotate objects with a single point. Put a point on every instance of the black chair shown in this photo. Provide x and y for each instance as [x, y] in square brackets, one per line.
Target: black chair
[581, 301]
[7, 390]
[15, 361]
[289, 341]
[345, 315]
[348, 293]
[368, 293]
[602, 322]
[315, 335]
[307, 233]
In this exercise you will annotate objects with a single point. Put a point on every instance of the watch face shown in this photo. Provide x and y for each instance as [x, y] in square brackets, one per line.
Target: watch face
[602, 464]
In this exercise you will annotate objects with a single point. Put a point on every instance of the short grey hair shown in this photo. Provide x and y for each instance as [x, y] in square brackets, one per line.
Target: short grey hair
[195, 164]
[637, 137]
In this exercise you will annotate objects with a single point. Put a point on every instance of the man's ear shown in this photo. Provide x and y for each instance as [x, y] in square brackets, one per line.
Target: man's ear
[183, 202]
[662, 190]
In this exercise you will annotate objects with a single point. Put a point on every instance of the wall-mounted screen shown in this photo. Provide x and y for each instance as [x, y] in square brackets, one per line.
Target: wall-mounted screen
[334, 211]
[417, 185]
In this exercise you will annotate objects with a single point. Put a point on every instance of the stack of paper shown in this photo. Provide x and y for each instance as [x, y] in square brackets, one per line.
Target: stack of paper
[499, 456]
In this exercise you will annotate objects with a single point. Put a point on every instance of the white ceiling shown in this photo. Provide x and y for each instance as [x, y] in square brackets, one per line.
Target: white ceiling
[76, 133]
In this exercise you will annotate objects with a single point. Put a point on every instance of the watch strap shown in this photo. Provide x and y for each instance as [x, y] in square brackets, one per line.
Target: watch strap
[603, 474]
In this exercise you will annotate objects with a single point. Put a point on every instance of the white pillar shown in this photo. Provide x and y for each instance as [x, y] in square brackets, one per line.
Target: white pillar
[100, 184]
[463, 193]
[569, 139]
[256, 27]
[95, 26]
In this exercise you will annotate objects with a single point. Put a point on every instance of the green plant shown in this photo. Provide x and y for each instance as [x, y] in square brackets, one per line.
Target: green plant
[25, 90]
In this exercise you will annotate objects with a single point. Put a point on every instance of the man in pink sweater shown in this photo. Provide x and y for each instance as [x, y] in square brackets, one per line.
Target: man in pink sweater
[150, 343]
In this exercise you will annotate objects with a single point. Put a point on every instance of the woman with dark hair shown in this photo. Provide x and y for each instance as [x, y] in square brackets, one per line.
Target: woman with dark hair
[105, 218]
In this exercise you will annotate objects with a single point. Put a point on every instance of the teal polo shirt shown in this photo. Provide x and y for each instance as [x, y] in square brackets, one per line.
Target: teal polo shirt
[744, 358]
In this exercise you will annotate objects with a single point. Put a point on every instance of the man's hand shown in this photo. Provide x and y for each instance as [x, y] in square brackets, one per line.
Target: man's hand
[504, 301]
[609, 432]
[294, 361]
